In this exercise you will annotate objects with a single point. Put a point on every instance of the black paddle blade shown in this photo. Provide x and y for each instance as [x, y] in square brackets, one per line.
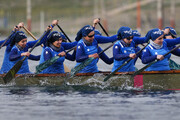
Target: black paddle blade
[81, 66]
[46, 64]
[12, 72]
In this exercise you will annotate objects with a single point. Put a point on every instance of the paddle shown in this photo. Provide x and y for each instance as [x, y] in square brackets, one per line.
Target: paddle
[11, 73]
[112, 73]
[103, 28]
[64, 33]
[8, 38]
[30, 34]
[49, 62]
[87, 62]
[142, 69]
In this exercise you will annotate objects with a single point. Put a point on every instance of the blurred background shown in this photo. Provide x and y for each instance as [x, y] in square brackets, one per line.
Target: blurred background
[73, 14]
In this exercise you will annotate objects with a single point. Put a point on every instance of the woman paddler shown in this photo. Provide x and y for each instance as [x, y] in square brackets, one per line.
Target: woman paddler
[125, 48]
[20, 50]
[5, 64]
[88, 47]
[156, 49]
[54, 47]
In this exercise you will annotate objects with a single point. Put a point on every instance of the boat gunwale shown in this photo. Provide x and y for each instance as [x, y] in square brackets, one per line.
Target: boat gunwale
[91, 74]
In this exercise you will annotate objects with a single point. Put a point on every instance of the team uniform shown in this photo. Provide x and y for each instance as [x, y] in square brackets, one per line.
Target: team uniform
[152, 50]
[121, 52]
[15, 55]
[6, 65]
[83, 50]
[58, 66]
[50, 51]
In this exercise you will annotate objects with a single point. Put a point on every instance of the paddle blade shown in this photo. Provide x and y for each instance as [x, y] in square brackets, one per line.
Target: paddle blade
[81, 66]
[46, 64]
[12, 72]
[142, 69]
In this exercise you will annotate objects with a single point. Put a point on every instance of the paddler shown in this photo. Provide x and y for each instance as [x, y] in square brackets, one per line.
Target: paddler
[157, 48]
[88, 47]
[55, 47]
[125, 48]
[20, 49]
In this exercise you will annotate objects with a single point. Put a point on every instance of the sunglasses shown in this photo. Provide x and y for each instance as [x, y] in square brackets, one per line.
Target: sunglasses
[129, 38]
[160, 38]
[90, 36]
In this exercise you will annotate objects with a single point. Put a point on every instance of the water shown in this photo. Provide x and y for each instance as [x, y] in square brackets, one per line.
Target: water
[43, 103]
[77, 103]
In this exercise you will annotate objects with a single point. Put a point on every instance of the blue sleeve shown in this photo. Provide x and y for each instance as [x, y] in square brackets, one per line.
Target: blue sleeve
[67, 46]
[172, 42]
[43, 40]
[47, 54]
[117, 53]
[14, 55]
[104, 57]
[103, 39]
[137, 49]
[176, 52]
[80, 55]
[71, 57]
[139, 40]
[146, 56]
[11, 37]
[1, 42]
[33, 57]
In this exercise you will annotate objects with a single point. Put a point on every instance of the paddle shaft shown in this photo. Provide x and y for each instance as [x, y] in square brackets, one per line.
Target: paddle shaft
[112, 73]
[7, 39]
[31, 34]
[107, 48]
[49, 62]
[11, 73]
[103, 29]
[87, 62]
[142, 69]
[64, 33]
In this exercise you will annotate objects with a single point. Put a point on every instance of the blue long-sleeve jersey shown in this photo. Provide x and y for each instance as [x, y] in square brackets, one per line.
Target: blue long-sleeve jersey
[147, 57]
[15, 55]
[150, 54]
[121, 52]
[58, 66]
[83, 51]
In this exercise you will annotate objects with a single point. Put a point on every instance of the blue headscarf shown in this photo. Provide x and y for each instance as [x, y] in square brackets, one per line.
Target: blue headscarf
[63, 37]
[153, 34]
[52, 37]
[156, 33]
[172, 31]
[136, 33]
[19, 35]
[82, 33]
[97, 32]
[124, 32]
[86, 30]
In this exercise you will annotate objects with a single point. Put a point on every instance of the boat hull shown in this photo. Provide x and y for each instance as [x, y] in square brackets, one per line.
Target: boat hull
[157, 80]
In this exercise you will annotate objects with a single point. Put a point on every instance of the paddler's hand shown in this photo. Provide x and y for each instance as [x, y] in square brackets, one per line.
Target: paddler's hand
[160, 57]
[95, 55]
[61, 54]
[97, 20]
[166, 31]
[16, 28]
[20, 25]
[132, 56]
[48, 28]
[55, 22]
[25, 54]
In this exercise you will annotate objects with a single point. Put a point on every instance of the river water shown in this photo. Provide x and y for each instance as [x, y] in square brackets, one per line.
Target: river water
[70, 103]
